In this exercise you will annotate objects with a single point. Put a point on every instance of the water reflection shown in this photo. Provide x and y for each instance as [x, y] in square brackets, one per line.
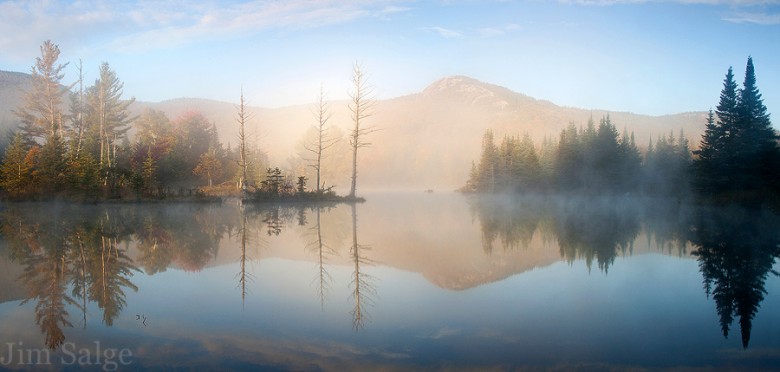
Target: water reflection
[736, 249]
[58, 251]
[322, 251]
[735, 246]
[244, 277]
[592, 229]
[363, 290]
[77, 257]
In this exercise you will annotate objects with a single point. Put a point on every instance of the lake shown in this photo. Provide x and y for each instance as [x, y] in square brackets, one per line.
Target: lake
[404, 281]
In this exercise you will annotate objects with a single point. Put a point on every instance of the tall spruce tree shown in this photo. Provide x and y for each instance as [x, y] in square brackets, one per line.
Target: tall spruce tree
[738, 153]
[488, 164]
[756, 140]
[41, 112]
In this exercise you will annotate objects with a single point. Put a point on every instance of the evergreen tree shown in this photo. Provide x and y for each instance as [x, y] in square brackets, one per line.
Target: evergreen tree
[756, 140]
[41, 113]
[53, 166]
[710, 151]
[738, 154]
[547, 152]
[488, 164]
[16, 171]
[568, 159]
[109, 115]
[528, 171]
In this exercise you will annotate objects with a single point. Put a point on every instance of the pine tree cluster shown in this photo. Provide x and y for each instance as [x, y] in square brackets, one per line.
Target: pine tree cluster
[594, 159]
[738, 156]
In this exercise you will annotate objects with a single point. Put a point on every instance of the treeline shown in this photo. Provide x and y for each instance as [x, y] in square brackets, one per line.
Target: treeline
[85, 151]
[73, 143]
[738, 157]
[593, 159]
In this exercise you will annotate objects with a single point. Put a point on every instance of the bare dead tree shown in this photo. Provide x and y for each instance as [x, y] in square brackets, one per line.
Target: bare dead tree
[242, 117]
[361, 107]
[324, 140]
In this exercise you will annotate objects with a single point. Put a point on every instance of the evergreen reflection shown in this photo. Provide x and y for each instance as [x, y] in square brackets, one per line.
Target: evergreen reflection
[58, 248]
[736, 249]
[74, 256]
[596, 229]
[593, 229]
[510, 221]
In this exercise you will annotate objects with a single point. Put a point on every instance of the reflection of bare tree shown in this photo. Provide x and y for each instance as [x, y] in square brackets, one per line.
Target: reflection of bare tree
[363, 290]
[323, 252]
[243, 277]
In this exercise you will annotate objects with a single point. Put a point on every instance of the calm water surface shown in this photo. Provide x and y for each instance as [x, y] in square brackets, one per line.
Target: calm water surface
[403, 281]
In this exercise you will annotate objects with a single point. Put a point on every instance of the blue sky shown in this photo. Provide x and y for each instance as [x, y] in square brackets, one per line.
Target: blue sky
[648, 57]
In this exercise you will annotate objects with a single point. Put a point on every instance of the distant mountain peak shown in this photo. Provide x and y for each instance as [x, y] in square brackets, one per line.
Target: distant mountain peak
[473, 92]
[457, 83]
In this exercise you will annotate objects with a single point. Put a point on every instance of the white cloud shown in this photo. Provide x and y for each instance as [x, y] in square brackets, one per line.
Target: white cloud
[757, 18]
[145, 24]
[498, 31]
[444, 32]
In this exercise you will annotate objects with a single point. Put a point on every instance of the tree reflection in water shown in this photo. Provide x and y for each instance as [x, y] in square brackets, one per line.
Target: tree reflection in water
[322, 252]
[596, 228]
[75, 256]
[244, 277]
[87, 248]
[363, 289]
[58, 247]
[736, 248]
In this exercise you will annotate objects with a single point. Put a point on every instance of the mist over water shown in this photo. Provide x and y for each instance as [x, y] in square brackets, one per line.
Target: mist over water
[405, 280]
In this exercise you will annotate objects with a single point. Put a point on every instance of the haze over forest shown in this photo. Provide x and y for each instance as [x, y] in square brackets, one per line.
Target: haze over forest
[426, 140]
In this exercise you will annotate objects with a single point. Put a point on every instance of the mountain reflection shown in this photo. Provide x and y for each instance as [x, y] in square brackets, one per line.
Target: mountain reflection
[75, 257]
[736, 249]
